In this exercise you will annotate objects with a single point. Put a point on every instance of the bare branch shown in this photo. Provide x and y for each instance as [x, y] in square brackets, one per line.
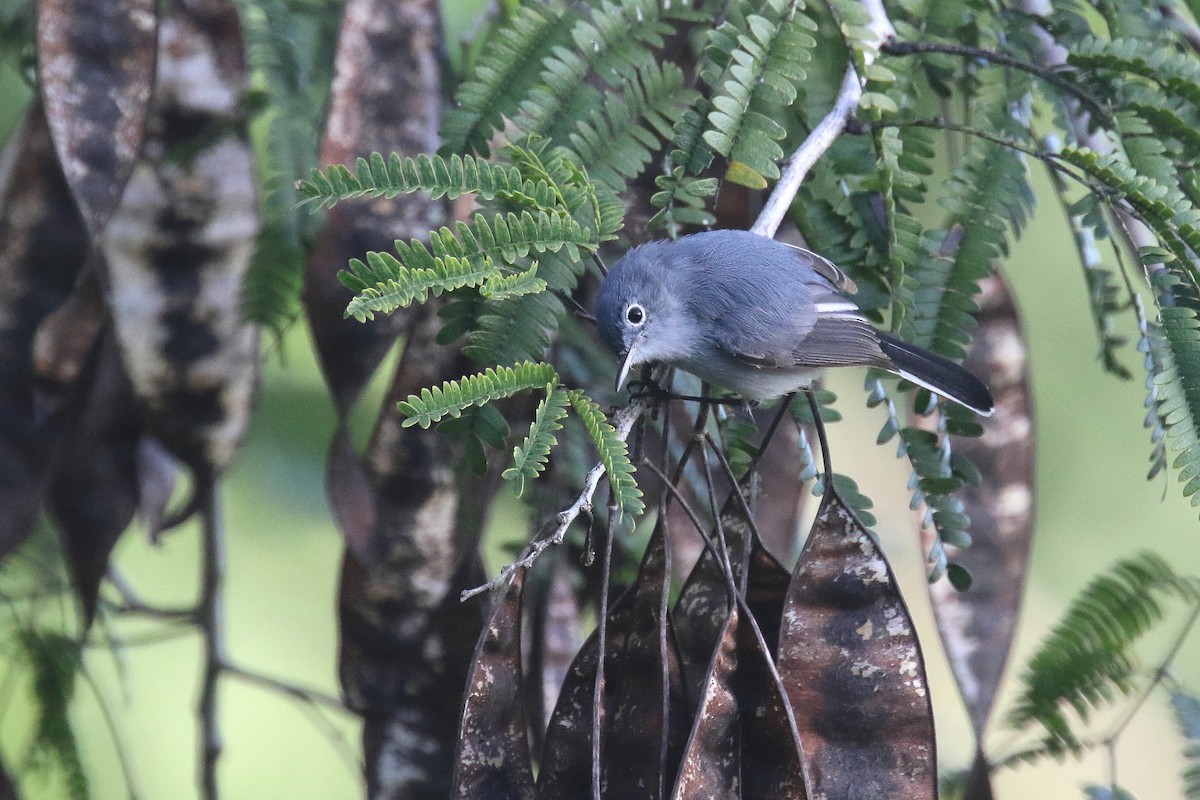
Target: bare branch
[827, 131]
[623, 421]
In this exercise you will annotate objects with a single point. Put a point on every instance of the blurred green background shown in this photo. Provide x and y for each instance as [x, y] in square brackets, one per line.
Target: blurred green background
[1093, 505]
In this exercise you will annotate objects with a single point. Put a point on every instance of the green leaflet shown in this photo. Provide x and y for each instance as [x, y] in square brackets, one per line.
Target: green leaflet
[288, 51]
[614, 455]
[506, 70]
[989, 195]
[55, 661]
[456, 259]
[682, 196]
[619, 140]
[1165, 208]
[499, 287]
[408, 285]
[453, 397]
[1175, 72]
[613, 44]
[530, 457]
[1175, 345]
[1087, 659]
[761, 71]
[439, 177]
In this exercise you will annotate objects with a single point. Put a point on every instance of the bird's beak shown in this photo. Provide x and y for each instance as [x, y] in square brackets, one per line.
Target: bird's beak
[628, 363]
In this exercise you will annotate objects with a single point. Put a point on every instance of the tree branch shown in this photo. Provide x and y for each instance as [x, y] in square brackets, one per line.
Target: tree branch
[623, 421]
[1048, 74]
[827, 130]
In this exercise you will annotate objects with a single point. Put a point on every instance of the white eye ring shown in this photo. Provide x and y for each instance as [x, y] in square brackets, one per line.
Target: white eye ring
[635, 314]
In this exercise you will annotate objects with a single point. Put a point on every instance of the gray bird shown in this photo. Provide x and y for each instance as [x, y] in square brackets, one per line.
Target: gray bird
[755, 316]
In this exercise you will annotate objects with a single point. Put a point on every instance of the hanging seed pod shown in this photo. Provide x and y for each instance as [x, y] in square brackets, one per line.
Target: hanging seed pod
[43, 244]
[182, 239]
[96, 71]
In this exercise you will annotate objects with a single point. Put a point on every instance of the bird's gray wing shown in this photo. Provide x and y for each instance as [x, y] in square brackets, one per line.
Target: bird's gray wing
[832, 341]
[825, 328]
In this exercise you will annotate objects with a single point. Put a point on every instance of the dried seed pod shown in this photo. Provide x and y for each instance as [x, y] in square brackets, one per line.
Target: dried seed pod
[43, 244]
[182, 239]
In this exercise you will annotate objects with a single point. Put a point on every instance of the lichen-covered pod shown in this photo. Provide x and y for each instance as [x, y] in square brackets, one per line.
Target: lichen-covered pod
[43, 245]
[181, 241]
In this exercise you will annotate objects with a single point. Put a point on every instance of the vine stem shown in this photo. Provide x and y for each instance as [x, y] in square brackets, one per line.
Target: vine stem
[827, 130]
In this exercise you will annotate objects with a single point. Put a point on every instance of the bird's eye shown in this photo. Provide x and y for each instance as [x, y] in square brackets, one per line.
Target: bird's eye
[635, 314]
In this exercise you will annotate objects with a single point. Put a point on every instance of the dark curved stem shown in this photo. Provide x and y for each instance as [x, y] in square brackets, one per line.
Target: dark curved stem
[770, 434]
[602, 649]
[1049, 75]
[822, 439]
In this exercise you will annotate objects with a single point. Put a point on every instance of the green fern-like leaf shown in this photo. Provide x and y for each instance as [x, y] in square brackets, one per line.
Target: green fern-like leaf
[530, 457]
[1175, 72]
[405, 285]
[1151, 345]
[453, 397]
[619, 141]
[762, 74]
[1087, 660]
[503, 287]
[439, 177]
[613, 455]
[1164, 207]
[507, 67]
[54, 661]
[615, 42]
[1187, 713]
[465, 256]
[288, 47]
[988, 196]
[1175, 345]
[682, 196]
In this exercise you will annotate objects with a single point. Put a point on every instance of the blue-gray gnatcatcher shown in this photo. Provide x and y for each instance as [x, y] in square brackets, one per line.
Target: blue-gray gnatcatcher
[755, 316]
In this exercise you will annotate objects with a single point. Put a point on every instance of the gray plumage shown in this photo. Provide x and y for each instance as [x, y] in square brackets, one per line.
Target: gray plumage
[755, 316]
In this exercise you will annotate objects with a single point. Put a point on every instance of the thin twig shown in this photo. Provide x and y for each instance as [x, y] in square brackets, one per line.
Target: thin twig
[1048, 74]
[665, 641]
[724, 557]
[1161, 673]
[311, 696]
[1157, 677]
[770, 434]
[212, 626]
[822, 440]
[686, 506]
[737, 492]
[1053, 54]
[110, 722]
[602, 647]
[310, 700]
[623, 422]
[808, 153]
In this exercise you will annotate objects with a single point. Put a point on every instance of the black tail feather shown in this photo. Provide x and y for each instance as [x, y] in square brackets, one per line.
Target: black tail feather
[937, 374]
